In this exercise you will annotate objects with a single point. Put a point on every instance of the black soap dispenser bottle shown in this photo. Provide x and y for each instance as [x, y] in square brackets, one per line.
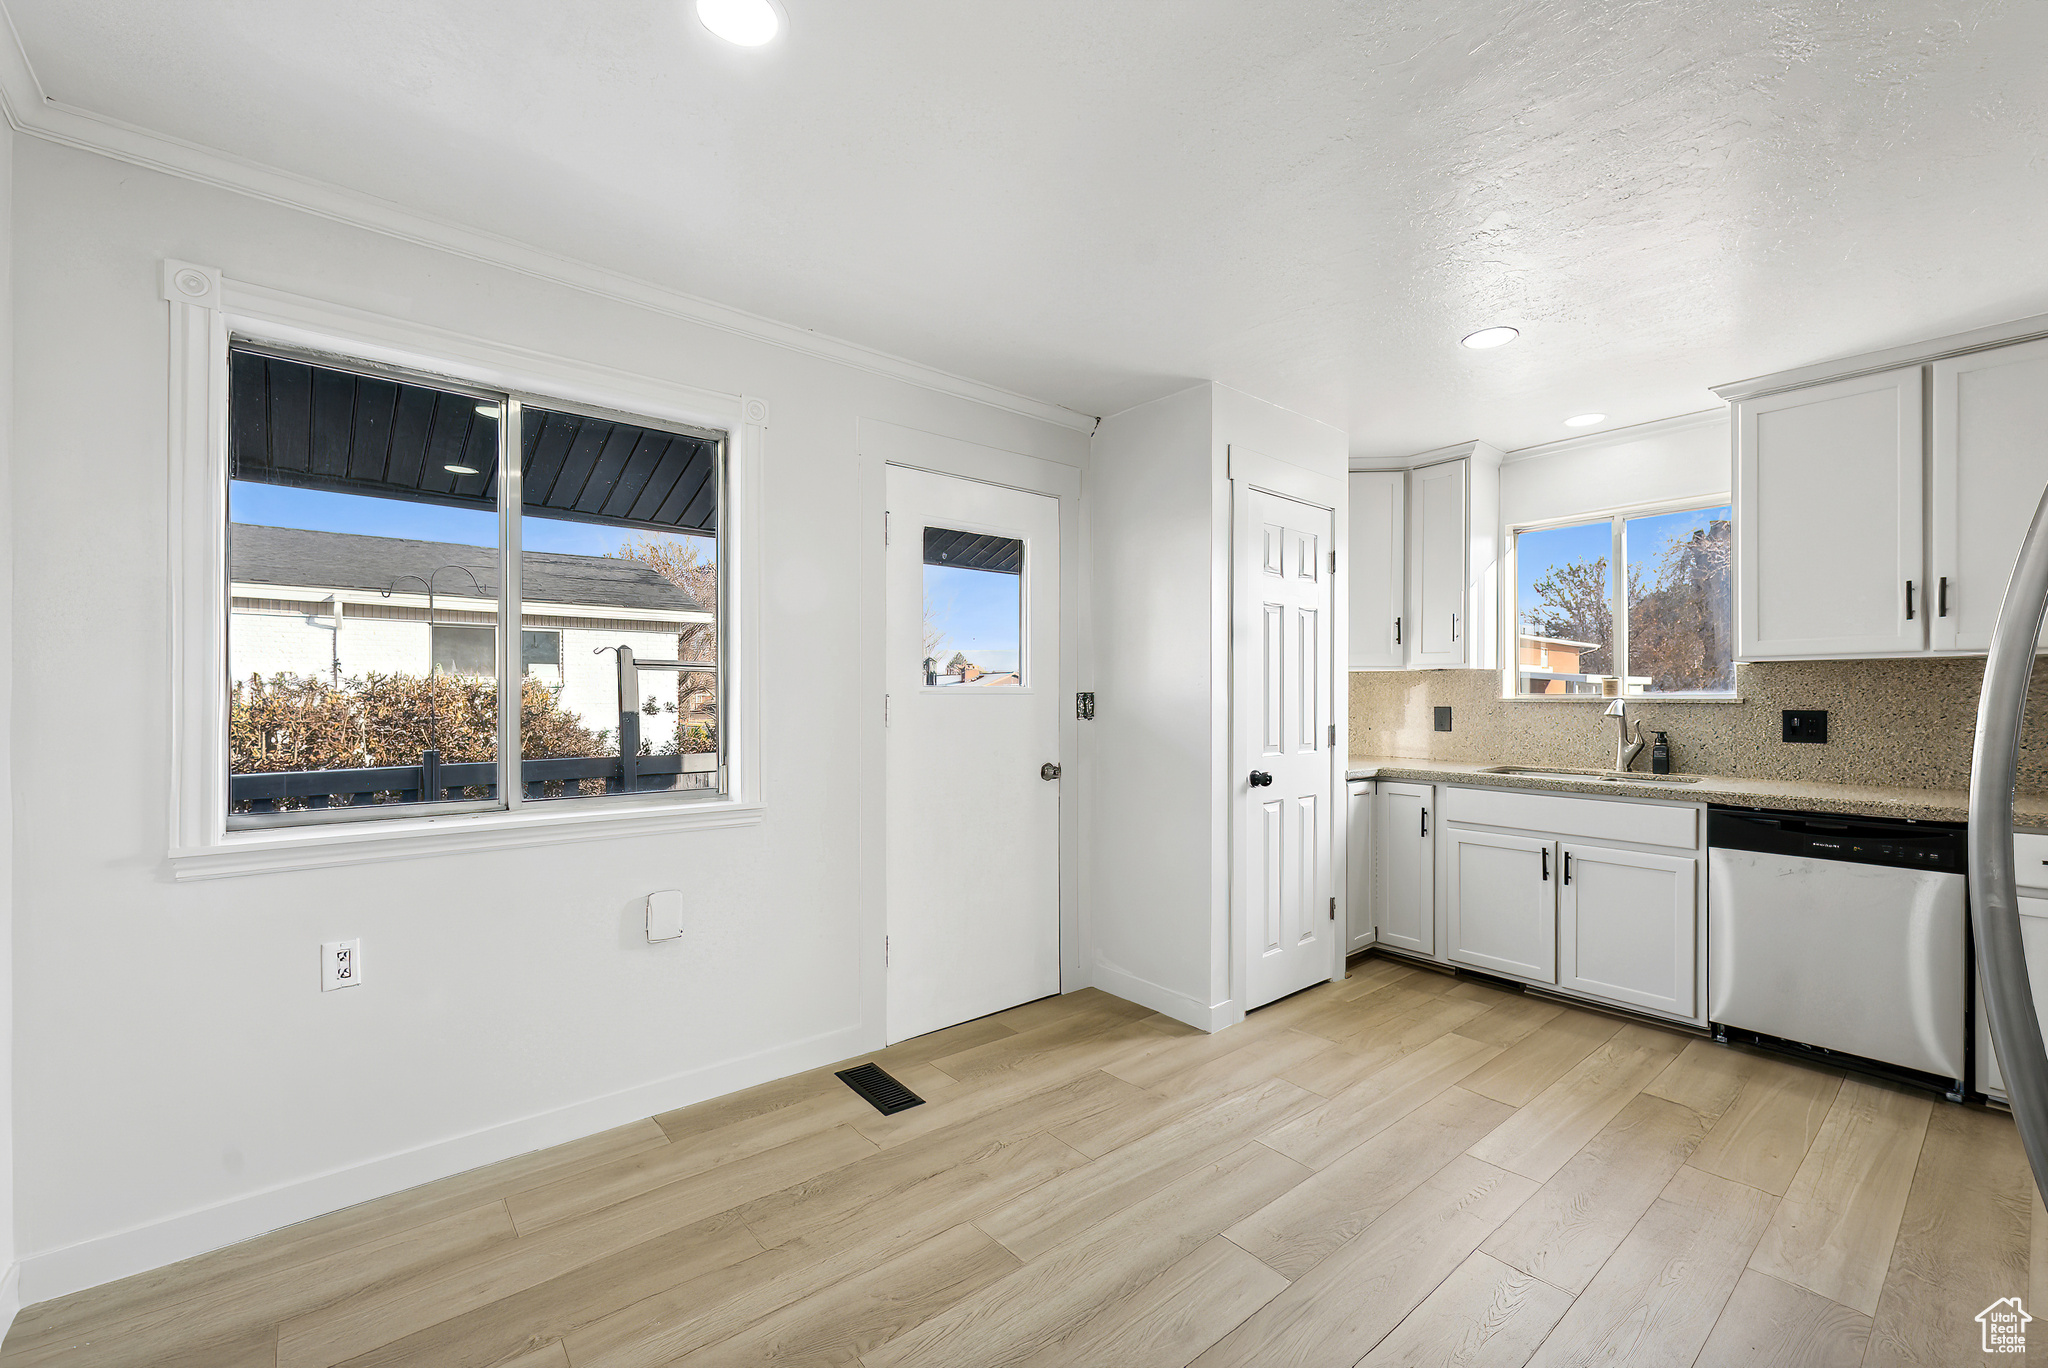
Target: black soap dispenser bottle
[1660, 756]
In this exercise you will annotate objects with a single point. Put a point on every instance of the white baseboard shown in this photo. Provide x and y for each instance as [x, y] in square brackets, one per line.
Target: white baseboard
[1166, 1001]
[10, 1298]
[56, 1272]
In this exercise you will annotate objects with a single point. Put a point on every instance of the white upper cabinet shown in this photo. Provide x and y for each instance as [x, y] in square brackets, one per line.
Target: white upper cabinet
[1835, 476]
[1828, 519]
[1436, 566]
[1424, 559]
[1379, 510]
[1987, 468]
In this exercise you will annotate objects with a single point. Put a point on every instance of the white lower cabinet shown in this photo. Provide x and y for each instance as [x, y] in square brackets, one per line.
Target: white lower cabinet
[1404, 882]
[1502, 893]
[1358, 856]
[2034, 935]
[1628, 927]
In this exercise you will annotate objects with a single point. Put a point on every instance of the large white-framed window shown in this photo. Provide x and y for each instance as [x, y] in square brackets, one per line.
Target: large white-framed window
[424, 582]
[1636, 602]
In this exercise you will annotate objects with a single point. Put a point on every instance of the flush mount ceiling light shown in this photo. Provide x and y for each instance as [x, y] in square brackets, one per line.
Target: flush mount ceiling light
[460, 469]
[743, 23]
[1585, 420]
[1490, 337]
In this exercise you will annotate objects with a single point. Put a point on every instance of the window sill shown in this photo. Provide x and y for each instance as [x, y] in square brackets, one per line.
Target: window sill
[1657, 700]
[283, 849]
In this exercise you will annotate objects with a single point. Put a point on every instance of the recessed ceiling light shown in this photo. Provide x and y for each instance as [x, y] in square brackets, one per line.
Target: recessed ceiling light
[1585, 420]
[460, 470]
[744, 23]
[1490, 337]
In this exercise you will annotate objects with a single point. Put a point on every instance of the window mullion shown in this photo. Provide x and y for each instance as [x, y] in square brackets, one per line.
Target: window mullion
[511, 606]
[1619, 582]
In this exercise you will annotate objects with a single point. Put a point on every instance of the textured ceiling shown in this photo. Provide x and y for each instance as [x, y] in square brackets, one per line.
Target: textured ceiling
[1098, 203]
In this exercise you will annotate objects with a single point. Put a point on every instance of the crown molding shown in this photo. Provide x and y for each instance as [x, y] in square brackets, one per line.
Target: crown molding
[30, 111]
[1635, 432]
[1891, 358]
[1484, 452]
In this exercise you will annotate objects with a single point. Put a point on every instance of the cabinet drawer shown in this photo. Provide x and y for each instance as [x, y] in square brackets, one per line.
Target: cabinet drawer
[1595, 818]
[2030, 860]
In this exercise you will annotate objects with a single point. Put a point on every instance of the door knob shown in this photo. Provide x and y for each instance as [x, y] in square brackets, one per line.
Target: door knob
[1048, 771]
[1260, 779]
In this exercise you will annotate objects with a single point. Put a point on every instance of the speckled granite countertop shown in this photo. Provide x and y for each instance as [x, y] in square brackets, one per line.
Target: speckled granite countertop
[1927, 805]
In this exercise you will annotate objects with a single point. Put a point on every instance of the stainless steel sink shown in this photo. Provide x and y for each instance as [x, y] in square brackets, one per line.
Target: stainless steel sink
[1592, 775]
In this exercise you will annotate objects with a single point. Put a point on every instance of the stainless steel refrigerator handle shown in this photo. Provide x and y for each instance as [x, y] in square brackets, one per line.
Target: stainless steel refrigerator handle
[1994, 895]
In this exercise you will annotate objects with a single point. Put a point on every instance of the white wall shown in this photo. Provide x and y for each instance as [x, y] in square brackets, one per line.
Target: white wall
[1675, 459]
[181, 1082]
[1159, 839]
[1152, 539]
[9, 1245]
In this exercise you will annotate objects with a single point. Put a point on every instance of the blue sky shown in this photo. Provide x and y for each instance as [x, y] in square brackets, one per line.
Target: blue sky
[316, 510]
[1538, 552]
[978, 610]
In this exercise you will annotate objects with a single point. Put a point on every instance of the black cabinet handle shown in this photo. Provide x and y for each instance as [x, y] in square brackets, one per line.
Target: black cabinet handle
[1942, 605]
[1567, 866]
[1425, 826]
[1909, 600]
[1260, 779]
[1397, 631]
[1546, 864]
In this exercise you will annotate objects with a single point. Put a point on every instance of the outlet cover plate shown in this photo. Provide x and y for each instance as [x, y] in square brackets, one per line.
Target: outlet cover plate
[1443, 719]
[1806, 726]
[341, 964]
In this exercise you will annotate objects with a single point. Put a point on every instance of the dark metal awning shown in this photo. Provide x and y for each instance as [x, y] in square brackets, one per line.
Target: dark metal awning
[317, 427]
[973, 551]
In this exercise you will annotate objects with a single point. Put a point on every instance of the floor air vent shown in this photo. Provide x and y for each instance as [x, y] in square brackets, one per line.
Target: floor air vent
[886, 1095]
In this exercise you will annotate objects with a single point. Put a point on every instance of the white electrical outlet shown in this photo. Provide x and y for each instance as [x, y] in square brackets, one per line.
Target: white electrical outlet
[341, 964]
[664, 915]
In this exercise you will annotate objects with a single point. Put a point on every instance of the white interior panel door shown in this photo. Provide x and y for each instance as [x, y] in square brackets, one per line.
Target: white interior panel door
[1281, 715]
[972, 856]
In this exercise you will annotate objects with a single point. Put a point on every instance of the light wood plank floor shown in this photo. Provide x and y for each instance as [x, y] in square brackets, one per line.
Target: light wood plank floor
[1399, 1169]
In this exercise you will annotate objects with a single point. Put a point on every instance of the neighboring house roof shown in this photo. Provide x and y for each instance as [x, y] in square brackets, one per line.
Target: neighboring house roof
[1560, 641]
[348, 560]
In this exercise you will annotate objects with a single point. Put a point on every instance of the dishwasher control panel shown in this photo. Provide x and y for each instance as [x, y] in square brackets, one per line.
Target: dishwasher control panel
[1857, 840]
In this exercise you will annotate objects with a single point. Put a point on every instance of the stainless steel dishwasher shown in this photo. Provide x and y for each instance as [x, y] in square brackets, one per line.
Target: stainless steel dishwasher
[1845, 934]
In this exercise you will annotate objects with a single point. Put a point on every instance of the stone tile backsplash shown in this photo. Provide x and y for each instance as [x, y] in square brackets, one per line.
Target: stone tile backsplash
[1894, 723]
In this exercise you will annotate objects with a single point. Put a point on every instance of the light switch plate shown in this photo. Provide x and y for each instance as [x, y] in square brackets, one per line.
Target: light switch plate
[341, 964]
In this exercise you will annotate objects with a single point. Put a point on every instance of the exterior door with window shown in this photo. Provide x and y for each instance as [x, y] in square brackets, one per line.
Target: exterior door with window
[1281, 717]
[972, 855]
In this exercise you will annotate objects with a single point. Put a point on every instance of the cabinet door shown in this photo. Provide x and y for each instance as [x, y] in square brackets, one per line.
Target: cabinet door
[1828, 520]
[1379, 511]
[1989, 465]
[2034, 935]
[1436, 565]
[1358, 878]
[1628, 928]
[1503, 903]
[1404, 888]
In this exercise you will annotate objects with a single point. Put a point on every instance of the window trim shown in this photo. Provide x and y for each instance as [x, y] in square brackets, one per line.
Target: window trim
[206, 311]
[1617, 518]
